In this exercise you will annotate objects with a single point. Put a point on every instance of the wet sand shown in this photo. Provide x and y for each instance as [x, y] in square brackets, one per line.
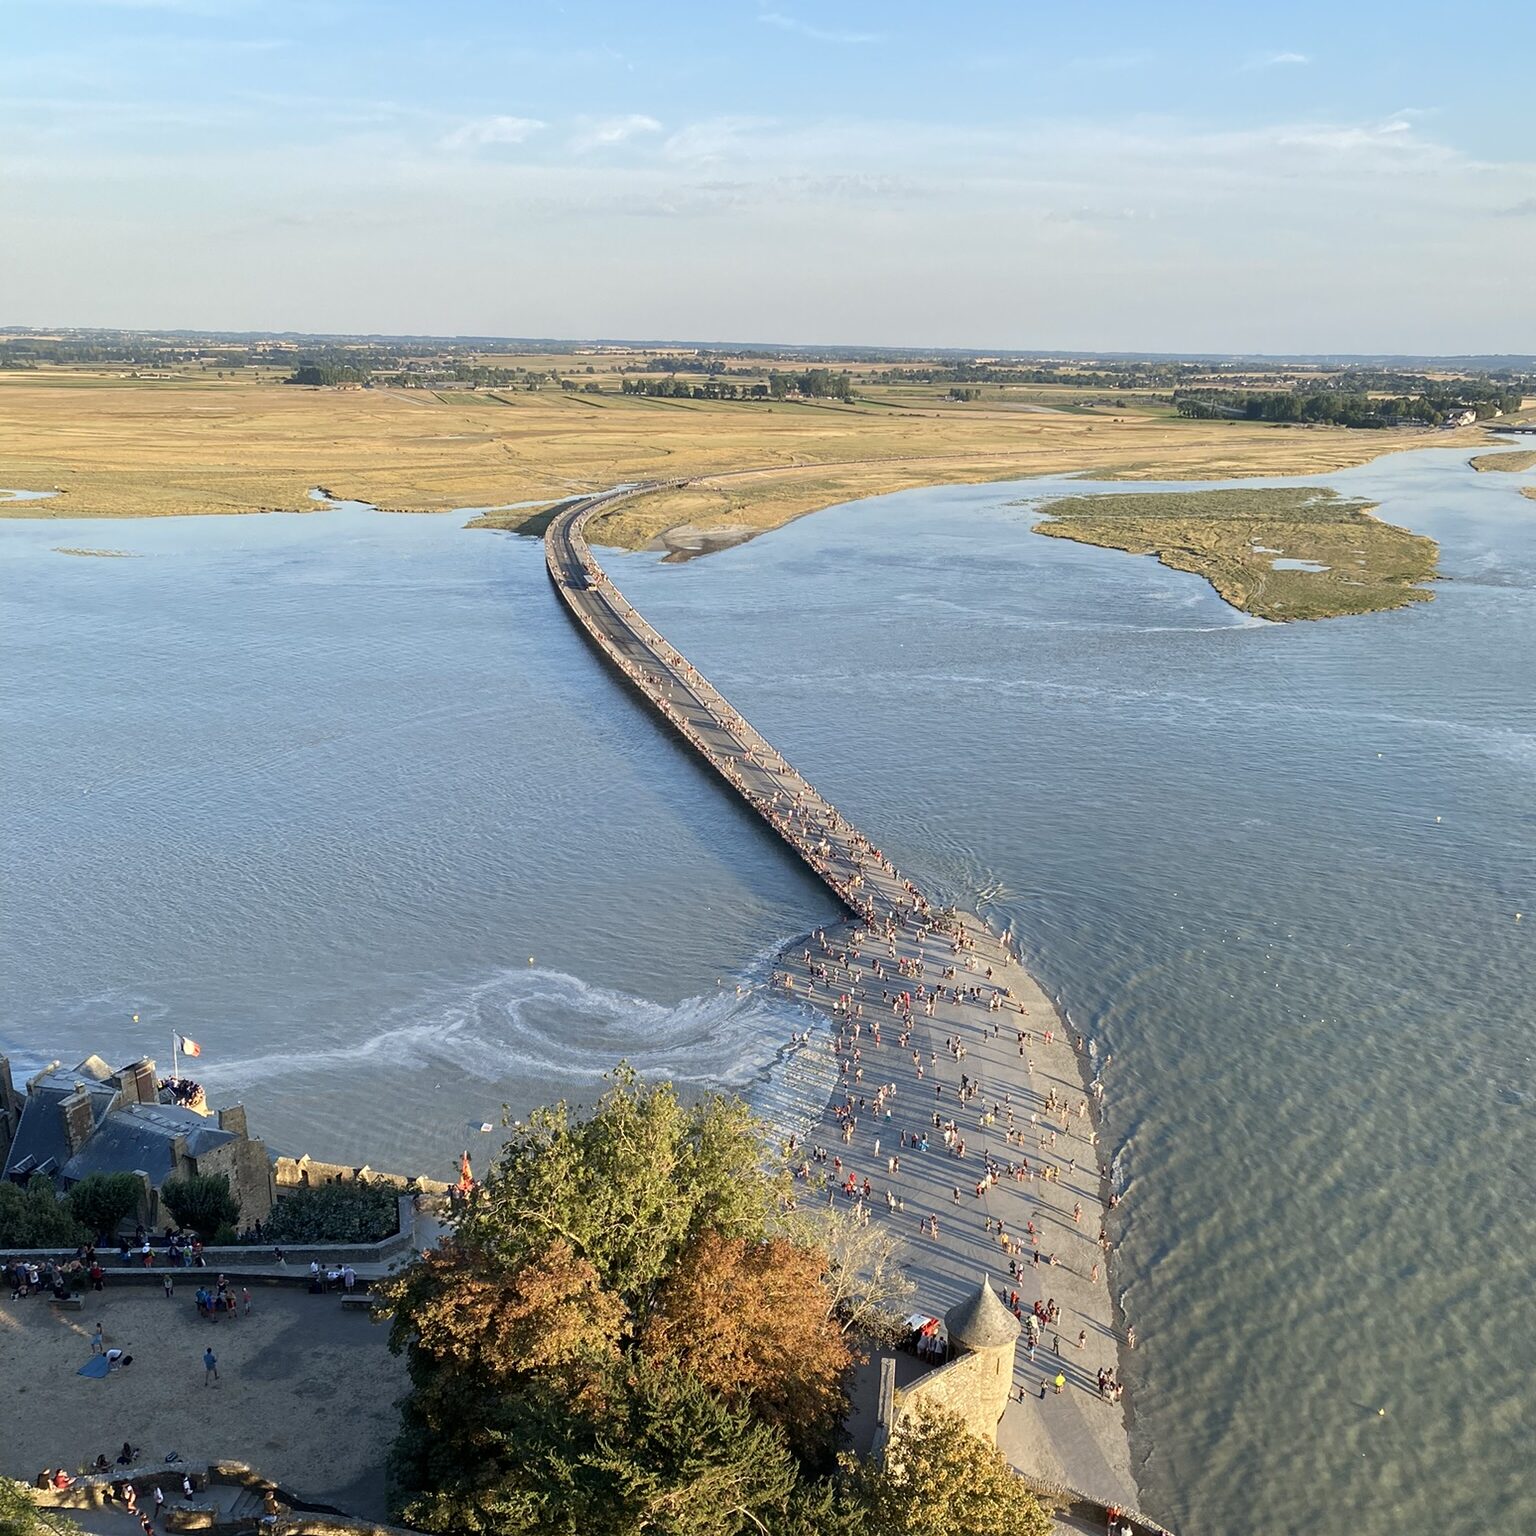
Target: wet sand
[1075, 1439]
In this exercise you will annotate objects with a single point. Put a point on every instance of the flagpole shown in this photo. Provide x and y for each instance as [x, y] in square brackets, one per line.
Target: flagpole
[175, 1060]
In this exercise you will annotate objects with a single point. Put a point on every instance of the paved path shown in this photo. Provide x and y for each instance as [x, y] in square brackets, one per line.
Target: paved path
[961, 1059]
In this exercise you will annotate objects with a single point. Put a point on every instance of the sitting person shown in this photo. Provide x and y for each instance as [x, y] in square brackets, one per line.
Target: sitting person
[62, 1479]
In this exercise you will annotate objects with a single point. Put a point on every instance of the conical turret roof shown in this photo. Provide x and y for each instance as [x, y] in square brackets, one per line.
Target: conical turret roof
[981, 1321]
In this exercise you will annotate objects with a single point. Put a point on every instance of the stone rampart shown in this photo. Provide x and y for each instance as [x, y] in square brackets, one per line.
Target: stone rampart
[244, 1258]
[290, 1173]
[964, 1386]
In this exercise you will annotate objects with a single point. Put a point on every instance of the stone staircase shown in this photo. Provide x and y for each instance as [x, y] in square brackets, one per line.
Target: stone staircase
[244, 1509]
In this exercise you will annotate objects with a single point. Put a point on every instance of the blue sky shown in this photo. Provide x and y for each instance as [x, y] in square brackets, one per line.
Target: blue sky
[1351, 176]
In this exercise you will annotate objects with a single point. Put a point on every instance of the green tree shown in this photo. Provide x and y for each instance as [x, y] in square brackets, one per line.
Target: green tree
[541, 1402]
[101, 1202]
[661, 1454]
[19, 1516]
[201, 1201]
[34, 1217]
[938, 1479]
[626, 1188]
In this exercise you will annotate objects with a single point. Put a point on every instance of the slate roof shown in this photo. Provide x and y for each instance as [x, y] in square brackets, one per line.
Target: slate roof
[40, 1133]
[981, 1320]
[142, 1136]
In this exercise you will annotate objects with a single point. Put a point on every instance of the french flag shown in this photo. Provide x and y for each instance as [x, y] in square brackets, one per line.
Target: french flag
[188, 1046]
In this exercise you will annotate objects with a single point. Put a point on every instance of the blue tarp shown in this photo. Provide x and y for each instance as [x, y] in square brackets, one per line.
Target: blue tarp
[95, 1366]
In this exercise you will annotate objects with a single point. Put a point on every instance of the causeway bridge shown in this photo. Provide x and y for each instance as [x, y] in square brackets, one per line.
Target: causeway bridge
[960, 1088]
[863, 879]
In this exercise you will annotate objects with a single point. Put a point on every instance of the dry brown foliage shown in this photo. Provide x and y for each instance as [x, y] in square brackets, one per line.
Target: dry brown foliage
[749, 1320]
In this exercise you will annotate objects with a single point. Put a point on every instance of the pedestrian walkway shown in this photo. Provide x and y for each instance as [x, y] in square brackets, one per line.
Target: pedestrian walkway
[966, 1117]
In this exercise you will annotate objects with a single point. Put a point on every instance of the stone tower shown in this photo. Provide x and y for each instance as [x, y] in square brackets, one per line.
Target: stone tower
[981, 1325]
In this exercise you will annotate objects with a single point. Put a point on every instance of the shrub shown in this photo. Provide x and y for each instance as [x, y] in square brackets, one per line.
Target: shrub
[350, 1212]
[201, 1201]
[103, 1201]
[34, 1217]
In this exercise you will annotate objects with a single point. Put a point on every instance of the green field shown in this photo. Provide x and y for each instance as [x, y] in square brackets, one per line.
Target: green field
[1232, 538]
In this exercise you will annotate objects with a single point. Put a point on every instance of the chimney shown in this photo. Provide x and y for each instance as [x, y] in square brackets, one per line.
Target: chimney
[232, 1119]
[145, 1083]
[79, 1121]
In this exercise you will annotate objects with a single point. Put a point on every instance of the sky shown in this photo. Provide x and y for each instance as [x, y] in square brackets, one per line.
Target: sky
[1350, 176]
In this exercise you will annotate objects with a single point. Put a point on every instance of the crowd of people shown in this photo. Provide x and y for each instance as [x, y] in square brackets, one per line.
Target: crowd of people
[878, 983]
[904, 965]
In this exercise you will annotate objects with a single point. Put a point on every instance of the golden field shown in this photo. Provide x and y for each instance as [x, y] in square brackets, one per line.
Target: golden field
[118, 446]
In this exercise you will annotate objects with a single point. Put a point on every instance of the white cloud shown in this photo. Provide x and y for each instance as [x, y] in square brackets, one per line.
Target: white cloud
[1277, 60]
[817, 34]
[482, 131]
[606, 131]
[715, 138]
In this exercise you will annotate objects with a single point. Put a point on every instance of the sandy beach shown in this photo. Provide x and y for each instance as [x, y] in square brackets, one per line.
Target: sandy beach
[306, 1391]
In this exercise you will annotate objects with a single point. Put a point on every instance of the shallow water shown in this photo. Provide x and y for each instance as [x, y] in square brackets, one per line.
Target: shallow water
[314, 789]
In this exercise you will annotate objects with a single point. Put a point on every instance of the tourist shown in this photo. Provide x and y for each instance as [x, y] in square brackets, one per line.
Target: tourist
[62, 1479]
[210, 1367]
[98, 1341]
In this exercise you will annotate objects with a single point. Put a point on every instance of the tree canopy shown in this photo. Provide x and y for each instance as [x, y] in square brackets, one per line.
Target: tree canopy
[938, 1479]
[101, 1202]
[351, 1211]
[628, 1332]
[201, 1201]
[34, 1217]
[19, 1516]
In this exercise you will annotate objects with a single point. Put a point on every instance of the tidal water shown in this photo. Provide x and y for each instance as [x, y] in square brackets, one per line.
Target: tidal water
[345, 797]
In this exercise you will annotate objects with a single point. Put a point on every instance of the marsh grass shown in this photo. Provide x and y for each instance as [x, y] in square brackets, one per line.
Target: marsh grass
[116, 446]
[1510, 462]
[1231, 537]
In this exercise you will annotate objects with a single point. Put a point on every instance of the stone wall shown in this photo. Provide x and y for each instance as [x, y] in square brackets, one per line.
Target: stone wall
[290, 1173]
[246, 1165]
[966, 1386]
[245, 1259]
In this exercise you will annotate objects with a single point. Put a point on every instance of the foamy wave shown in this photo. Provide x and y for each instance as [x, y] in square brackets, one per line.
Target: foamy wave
[539, 1023]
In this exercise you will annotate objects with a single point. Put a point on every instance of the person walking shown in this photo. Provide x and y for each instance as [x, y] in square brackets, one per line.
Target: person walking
[210, 1367]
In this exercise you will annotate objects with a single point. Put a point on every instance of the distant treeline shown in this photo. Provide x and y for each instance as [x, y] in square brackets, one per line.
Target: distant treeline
[327, 373]
[1334, 407]
[1133, 376]
[813, 384]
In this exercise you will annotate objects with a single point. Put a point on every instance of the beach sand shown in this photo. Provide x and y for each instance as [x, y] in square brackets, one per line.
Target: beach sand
[306, 1392]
